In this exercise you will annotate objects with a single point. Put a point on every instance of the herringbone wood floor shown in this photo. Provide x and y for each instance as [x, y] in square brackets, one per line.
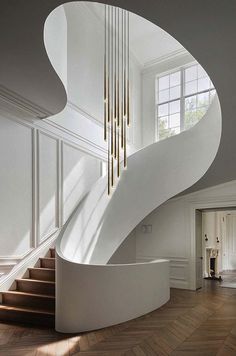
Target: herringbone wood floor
[191, 323]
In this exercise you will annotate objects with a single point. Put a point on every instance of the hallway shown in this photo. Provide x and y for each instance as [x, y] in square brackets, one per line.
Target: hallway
[191, 323]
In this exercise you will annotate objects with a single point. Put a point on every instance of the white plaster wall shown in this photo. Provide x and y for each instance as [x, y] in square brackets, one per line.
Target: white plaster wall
[55, 40]
[15, 189]
[80, 171]
[172, 235]
[48, 185]
[126, 253]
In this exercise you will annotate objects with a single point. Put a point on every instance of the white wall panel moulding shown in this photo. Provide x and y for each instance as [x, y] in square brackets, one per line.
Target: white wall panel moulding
[23, 104]
[149, 66]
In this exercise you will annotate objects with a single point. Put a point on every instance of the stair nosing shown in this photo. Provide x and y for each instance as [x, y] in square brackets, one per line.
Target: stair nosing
[34, 280]
[41, 269]
[16, 292]
[33, 311]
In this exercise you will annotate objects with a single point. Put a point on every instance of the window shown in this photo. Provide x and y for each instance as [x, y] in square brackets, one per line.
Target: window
[182, 98]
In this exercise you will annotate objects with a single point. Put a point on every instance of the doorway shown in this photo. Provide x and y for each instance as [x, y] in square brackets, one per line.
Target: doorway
[215, 231]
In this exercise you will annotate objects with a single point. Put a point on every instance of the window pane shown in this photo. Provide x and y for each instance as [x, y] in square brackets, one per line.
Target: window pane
[191, 73]
[203, 99]
[175, 79]
[203, 84]
[175, 92]
[164, 133]
[163, 122]
[163, 95]
[201, 72]
[175, 107]
[192, 117]
[174, 120]
[164, 82]
[176, 130]
[191, 87]
[163, 110]
[191, 103]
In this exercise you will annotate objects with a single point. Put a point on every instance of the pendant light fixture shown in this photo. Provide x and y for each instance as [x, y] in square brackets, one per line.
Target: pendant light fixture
[116, 89]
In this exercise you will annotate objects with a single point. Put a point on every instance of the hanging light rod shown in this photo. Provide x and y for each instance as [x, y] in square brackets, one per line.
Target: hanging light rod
[116, 89]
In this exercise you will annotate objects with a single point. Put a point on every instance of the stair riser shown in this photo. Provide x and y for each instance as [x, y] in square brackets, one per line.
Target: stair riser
[52, 252]
[29, 318]
[45, 263]
[42, 275]
[36, 287]
[32, 301]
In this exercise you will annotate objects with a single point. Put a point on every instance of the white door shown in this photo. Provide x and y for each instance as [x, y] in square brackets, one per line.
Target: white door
[198, 236]
[231, 241]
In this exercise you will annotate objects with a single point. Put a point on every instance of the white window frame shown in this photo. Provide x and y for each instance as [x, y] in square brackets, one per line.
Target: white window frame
[181, 98]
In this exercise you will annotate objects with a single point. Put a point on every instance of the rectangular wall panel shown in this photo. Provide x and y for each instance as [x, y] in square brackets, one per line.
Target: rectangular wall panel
[15, 188]
[48, 177]
[80, 171]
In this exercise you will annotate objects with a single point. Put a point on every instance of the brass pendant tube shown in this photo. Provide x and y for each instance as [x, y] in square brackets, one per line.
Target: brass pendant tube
[116, 88]
[105, 75]
[128, 73]
[122, 80]
[112, 81]
[125, 152]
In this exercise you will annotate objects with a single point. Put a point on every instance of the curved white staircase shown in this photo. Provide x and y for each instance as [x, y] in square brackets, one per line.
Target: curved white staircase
[91, 294]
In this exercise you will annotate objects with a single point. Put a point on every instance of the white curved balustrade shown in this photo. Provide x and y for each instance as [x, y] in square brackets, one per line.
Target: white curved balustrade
[94, 296]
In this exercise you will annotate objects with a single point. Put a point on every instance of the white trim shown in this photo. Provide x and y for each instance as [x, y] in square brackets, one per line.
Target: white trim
[22, 104]
[15, 257]
[60, 132]
[102, 153]
[150, 65]
[34, 189]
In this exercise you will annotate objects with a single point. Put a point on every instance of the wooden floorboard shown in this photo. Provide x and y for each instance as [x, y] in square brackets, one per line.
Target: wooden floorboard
[191, 323]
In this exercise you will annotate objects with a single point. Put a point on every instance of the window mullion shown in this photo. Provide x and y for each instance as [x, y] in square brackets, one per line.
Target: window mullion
[182, 103]
[157, 111]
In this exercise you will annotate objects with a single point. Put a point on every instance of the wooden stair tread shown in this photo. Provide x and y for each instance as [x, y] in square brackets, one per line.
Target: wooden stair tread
[17, 292]
[33, 300]
[41, 269]
[25, 310]
[34, 280]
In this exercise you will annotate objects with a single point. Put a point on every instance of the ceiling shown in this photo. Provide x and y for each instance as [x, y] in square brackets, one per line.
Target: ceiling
[148, 42]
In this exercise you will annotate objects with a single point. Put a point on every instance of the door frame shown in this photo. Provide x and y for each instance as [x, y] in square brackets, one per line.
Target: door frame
[198, 240]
